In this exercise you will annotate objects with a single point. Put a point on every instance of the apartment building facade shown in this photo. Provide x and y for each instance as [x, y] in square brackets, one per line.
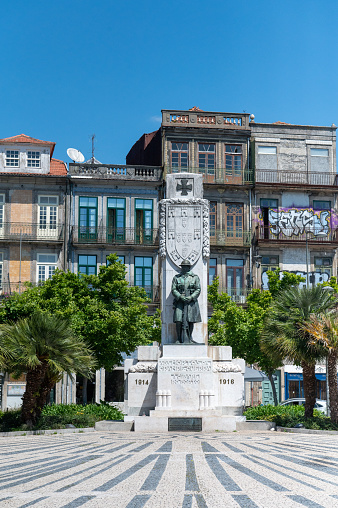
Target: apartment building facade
[272, 190]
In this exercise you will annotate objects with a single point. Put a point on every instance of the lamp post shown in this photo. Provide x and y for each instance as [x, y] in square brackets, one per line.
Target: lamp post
[330, 290]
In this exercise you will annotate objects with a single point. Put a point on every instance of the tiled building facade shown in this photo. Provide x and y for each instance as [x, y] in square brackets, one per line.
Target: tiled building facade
[272, 190]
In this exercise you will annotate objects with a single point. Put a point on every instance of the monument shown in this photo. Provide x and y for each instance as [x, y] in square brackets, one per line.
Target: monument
[184, 384]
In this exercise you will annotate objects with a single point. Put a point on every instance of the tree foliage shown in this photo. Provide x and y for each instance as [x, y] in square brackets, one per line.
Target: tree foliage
[103, 310]
[42, 346]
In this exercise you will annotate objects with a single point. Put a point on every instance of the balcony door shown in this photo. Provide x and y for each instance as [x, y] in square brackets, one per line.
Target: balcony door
[143, 221]
[48, 216]
[88, 218]
[143, 274]
[266, 205]
[234, 278]
[116, 219]
[234, 223]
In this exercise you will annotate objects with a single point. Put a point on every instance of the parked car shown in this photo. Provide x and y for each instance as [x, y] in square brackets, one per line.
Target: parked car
[320, 404]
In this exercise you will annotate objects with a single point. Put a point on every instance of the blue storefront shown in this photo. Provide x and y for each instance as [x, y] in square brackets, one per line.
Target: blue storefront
[294, 386]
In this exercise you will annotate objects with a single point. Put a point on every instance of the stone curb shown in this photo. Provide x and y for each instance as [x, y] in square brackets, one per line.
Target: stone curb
[306, 431]
[255, 425]
[49, 431]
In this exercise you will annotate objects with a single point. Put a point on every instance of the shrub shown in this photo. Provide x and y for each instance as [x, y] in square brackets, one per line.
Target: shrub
[289, 416]
[57, 416]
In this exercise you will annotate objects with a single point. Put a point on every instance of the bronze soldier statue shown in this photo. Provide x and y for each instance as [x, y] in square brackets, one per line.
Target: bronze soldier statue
[186, 288]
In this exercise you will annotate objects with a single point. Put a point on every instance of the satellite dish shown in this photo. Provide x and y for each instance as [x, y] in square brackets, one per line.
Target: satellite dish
[75, 155]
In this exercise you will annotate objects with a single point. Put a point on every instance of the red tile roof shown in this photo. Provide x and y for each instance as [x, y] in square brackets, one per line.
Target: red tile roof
[57, 167]
[23, 138]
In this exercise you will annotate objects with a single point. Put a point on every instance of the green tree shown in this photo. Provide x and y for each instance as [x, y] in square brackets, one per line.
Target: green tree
[323, 331]
[241, 327]
[43, 346]
[283, 334]
[103, 310]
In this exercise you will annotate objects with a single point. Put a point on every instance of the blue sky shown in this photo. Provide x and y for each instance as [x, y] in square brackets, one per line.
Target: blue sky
[71, 68]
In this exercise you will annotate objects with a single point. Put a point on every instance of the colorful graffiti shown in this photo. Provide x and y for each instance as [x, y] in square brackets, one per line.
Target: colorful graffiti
[314, 278]
[294, 222]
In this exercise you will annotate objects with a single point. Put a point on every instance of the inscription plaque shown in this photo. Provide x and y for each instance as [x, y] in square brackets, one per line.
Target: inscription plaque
[185, 424]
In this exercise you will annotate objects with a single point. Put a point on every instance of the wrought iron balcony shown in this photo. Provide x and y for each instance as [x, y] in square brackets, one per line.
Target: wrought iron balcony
[115, 236]
[218, 175]
[195, 118]
[231, 238]
[266, 234]
[16, 231]
[116, 171]
[274, 176]
[153, 292]
[238, 295]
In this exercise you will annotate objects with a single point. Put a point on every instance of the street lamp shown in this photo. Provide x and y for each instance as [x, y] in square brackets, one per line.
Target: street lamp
[327, 289]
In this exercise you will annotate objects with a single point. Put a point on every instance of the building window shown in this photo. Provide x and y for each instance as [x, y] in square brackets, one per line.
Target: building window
[234, 279]
[46, 266]
[143, 273]
[116, 219]
[48, 215]
[206, 157]
[12, 158]
[2, 206]
[234, 220]
[143, 221]
[33, 159]
[87, 218]
[323, 266]
[321, 205]
[267, 150]
[270, 263]
[87, 265]
[179, 155]
[266, 204]
[319, 152]
[320, 161]
[1, 270]
[213, 218]
[120, 258]
[233, 159]
[212, 270]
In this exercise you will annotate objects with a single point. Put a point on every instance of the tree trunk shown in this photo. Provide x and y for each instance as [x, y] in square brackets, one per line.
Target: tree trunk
[333, 389]
[46, 387]
[273, 386]
[309, 383]
[34, 379]
[84, 390]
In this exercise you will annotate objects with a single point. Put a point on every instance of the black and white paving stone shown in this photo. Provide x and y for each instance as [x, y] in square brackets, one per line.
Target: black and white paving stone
[247, 470]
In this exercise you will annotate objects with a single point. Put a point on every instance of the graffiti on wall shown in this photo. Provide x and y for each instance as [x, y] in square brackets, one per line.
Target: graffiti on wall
[314, 278]
[294, 222]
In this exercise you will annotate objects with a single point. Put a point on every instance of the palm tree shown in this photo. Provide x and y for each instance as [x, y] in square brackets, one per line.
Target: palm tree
[283, 333]
[323, 330]
[43, 346]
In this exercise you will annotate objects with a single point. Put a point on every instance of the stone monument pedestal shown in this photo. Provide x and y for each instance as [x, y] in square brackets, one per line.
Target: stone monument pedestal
[185, 387]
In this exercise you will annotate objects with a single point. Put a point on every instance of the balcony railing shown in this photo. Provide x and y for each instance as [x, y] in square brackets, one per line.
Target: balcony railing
[115, 236]
[238, 295]
[275, 176]
[195, 118]
[288, 235]
[31, 232]
[115, 171]
[219, 175]
[153, 292]
[220, 238]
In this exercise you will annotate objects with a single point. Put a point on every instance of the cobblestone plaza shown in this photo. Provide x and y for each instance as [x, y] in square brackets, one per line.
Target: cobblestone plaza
[245, 470]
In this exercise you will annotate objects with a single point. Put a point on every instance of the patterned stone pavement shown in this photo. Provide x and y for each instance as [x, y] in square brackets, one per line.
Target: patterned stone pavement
[244, 470]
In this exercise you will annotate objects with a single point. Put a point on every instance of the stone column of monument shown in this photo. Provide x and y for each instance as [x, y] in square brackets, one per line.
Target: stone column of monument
[184, 237]
[185, 384]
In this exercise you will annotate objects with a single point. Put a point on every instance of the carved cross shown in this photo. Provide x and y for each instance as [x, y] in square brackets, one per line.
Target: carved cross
[184, 187]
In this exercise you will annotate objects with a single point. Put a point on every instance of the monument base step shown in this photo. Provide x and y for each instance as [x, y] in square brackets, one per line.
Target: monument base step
[184, 413]
[165, 424]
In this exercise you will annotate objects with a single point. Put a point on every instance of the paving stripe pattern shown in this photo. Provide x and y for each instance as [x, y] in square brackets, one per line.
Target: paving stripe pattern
[181, 470]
